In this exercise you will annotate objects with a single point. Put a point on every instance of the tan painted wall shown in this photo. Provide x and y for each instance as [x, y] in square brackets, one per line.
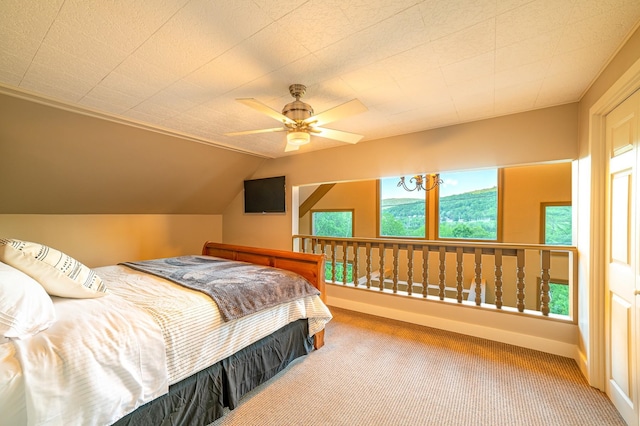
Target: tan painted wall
[525, 188]
[99, 240]
[531, 137]
[359, 196]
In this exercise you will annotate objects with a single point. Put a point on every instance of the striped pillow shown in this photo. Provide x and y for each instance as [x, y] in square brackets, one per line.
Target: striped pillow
[59, 274]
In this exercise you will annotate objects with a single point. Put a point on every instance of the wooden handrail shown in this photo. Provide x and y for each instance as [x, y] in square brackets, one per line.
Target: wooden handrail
[405, 267]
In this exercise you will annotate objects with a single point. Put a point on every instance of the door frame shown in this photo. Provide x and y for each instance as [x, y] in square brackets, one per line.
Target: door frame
[594, 274]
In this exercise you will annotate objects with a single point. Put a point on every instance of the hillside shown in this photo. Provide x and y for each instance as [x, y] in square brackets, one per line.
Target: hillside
[468, 215]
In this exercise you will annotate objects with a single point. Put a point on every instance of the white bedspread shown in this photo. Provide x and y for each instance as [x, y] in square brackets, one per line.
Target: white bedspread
[111, 362]
[195, 334]
[123, 350]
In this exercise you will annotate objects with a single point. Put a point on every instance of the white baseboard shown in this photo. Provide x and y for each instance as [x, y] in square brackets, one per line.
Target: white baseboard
[497, 326]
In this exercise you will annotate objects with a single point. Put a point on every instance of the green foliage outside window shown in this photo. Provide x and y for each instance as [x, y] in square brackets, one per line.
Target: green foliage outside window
[472, 215]
[559, 303]
[557, 225]
[333, 223]
[397, 222]
[339, 272]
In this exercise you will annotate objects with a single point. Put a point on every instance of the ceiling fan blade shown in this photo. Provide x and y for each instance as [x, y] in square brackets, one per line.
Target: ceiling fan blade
[291, 147]
[338, 135]
[250, 132]
[341, 111]
[259, 106]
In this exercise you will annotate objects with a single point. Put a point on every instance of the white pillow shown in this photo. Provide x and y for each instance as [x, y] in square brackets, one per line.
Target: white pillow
[59, 274]
[25, 308]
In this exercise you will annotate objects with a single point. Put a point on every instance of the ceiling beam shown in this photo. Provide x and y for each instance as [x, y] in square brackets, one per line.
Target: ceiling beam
[315, 197]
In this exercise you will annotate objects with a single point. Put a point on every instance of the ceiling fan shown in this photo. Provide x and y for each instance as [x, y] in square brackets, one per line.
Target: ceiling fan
[299, 121]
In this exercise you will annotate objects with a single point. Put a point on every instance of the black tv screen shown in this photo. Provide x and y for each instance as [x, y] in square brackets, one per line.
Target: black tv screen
[265, 195]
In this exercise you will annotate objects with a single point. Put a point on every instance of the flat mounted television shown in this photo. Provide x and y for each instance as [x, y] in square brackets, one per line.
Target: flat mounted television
[266, 195]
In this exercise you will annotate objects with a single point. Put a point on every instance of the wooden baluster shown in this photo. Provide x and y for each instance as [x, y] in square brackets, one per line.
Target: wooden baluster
[395, 268]
[498, 276]
[410, 269]
[368, 263]
[344, 262]
[478, 280]
[545, 262]
[425, 271]
[354, 267]
[381, 252]
[459, 277]
[441, 284]
[323, 252]
[520, 281]
[333, 261]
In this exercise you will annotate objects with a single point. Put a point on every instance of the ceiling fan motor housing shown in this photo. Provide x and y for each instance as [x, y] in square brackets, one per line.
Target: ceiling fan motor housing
[297, 110]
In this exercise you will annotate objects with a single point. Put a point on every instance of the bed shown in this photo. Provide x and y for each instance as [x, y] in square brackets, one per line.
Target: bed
[148, 350]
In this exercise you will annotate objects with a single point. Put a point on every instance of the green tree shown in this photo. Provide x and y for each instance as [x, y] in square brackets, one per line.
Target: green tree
[339, 272]
[559, 303]
[558, 225]
[333, 224]
[390, 225]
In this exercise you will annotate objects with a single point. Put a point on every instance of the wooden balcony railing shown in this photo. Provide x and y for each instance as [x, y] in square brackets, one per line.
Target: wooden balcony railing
[509, 277]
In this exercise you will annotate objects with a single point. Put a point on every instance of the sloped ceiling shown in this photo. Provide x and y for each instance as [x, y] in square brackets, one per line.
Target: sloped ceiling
[179, 65]
[53, 161]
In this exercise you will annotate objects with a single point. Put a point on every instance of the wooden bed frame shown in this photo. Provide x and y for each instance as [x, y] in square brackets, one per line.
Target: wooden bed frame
[310, 266]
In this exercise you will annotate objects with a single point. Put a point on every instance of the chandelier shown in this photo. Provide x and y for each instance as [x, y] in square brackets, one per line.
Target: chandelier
[421, 183]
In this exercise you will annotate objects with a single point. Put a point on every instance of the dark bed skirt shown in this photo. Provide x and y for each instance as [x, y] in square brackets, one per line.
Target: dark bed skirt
[200, 399]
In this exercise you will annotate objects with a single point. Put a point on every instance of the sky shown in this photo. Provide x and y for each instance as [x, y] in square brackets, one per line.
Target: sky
[454, 183]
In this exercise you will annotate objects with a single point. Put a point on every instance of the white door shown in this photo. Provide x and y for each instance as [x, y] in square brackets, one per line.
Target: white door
[623, 259]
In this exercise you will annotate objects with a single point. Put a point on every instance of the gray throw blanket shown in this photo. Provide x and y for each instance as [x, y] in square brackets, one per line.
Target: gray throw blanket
[238, 288]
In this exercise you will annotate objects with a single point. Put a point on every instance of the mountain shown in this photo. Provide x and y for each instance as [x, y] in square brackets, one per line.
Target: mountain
[470, 206]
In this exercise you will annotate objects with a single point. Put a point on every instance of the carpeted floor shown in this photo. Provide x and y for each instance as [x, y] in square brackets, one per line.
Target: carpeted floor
[374, 371]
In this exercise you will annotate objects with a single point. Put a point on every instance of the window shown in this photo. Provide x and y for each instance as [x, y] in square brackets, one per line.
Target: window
[339, 272]
[556, 229]
[468, 205]
[556, 224]
[465, 205]
[559, 295]
[402, 213]
[332, 223]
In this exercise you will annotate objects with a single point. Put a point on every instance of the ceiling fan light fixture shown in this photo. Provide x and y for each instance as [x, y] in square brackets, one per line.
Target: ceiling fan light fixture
[298, 138]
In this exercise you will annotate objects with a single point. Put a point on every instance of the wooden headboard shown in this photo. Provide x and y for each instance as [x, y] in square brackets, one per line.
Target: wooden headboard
[310, 266]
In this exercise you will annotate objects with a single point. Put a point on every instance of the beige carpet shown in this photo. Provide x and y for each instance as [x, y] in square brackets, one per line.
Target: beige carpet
[374, 371]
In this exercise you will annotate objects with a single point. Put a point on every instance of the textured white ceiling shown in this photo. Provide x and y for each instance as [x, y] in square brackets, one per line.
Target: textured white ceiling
[179, 65]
